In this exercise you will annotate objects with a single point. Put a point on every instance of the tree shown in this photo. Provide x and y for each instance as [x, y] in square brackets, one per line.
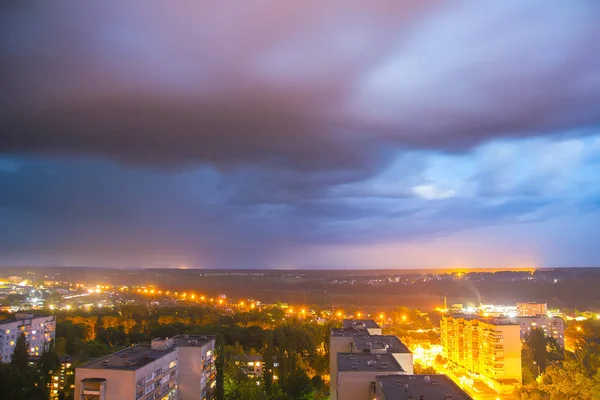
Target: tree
[220, 380]
[420, 369]
[577, 377]
[18, 380]
[537, 352]
[20, 358]
[299, 386]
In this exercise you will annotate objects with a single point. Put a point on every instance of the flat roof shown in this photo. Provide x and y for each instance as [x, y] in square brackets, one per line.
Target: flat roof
[191, 340]
[23, 317]
[487, 320]
[402, 387]
[130, 359]
[348, 332]
[349, 362]
[388, 343]
[358, 323]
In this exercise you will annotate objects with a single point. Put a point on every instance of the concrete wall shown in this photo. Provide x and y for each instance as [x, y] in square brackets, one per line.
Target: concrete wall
[356, 385]
[336, 345]
[191, 382]
[406, 361]
[120, 385]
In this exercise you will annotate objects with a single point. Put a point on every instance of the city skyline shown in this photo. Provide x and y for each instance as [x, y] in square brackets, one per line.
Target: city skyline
[403, 135]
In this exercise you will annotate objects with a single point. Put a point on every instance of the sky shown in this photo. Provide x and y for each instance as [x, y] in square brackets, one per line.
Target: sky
[311, 134]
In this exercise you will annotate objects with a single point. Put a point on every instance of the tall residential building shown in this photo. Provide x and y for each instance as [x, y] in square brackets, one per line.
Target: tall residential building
[357, 374]
[415, 387]
[490, 347]
[551, 326]
[39, 331]
[181, 368]
[531, 309]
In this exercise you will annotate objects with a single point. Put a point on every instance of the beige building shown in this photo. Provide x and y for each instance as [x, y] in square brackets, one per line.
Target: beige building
[178, 368]
[415, 387]
[490, 347]
[364, 336]
[357, 374]
[340, 341]
[531, 309]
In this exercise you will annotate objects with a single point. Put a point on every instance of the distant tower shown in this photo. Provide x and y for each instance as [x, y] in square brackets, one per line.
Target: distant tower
[445, 305]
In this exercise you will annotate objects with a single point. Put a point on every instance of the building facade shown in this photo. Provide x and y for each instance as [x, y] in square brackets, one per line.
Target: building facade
[488, 347]
[531, 309]
[363, 338]
[39, 331]
[180, 368]
[551, 326]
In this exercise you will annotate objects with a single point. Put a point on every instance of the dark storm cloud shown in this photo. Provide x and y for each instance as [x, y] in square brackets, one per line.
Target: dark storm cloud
[221, 135]
[307, 85]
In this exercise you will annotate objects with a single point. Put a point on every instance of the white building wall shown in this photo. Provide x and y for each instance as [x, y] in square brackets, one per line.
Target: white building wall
[406, 361]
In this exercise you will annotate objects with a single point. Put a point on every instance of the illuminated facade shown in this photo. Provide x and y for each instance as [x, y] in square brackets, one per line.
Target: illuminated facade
[39, 331]
[531, 309]
[488, 347]
[60, 378]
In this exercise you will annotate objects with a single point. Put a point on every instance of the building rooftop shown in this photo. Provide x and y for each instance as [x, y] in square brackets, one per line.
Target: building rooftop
[405, 387]
[360, 324]
[22, 316]
[487, 320]
[129, 359]
[349, 362]
[380, 344]
[349, 332]
[191, 340]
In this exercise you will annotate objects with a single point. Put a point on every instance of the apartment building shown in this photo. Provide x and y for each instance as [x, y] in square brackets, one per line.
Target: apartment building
[551, 326]
[59, 379]
[415, 387]
[39, 331]
[357, 374]
[364, 337]
[181, 368]
[340, 341]
[531, 309]
[490, 347]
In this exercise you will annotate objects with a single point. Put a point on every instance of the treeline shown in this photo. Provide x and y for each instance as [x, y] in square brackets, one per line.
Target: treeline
[551, 373]
[294, 350]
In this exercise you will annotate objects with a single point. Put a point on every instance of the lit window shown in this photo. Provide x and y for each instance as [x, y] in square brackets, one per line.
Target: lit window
[8, 331]
[12, 342]
[250, 363]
